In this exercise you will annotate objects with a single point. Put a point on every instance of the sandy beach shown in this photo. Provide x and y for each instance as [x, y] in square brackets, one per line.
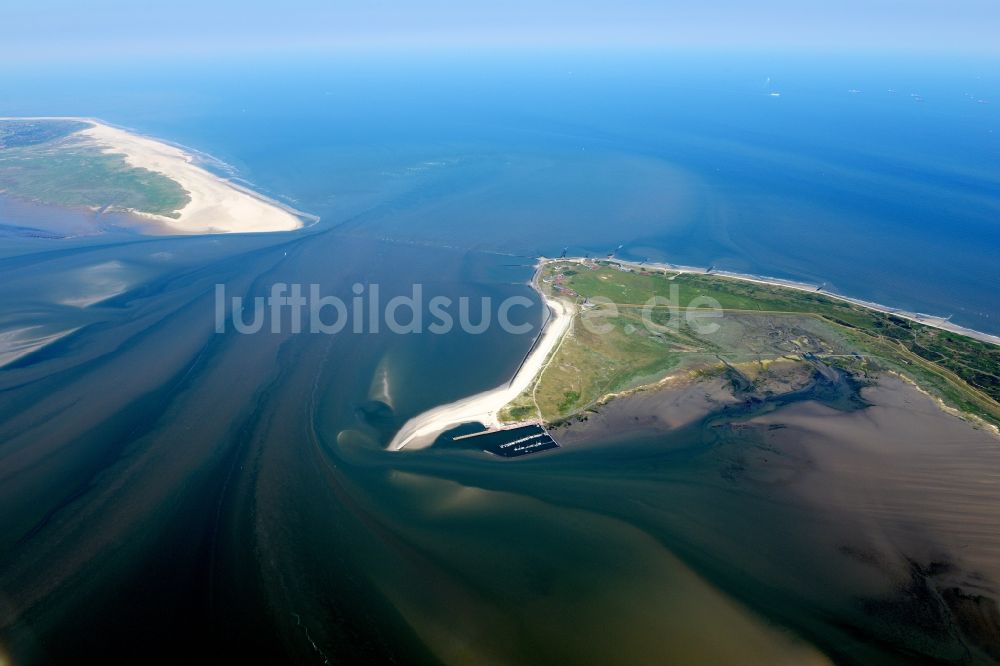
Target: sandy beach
[423, 429]
[216, 206]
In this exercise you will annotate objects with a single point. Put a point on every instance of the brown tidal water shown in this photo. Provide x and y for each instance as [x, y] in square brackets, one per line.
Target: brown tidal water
[873, 529]
[170, 493]
[164, 488]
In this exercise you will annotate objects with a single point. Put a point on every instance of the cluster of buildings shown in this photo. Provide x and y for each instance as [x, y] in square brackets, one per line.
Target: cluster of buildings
[558, 282]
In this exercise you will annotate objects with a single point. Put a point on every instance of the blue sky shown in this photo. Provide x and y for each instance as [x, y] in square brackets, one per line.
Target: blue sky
[64, 29]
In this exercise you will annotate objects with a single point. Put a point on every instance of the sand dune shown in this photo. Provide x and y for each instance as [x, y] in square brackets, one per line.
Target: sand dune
[216, 206]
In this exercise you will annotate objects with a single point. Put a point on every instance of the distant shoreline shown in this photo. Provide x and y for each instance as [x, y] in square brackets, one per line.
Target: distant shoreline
[421, 430]
[925, 319]
[216, 204]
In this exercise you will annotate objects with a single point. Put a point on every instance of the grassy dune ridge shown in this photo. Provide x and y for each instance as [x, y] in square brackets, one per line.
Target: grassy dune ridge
[760, 324]
[46, 161]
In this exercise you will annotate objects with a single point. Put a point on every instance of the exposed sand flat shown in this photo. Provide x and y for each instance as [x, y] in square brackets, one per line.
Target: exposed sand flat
[19, 342]
[422, 430]
[96, 283]
[679, 401]
[216, 206]
[882, 517]
[905, 466]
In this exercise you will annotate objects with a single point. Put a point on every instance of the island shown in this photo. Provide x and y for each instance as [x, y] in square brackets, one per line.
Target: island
[88, 164]
[617, 328]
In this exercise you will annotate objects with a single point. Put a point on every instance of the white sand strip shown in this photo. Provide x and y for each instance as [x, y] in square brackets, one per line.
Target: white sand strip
[422, 430]
[216, 206]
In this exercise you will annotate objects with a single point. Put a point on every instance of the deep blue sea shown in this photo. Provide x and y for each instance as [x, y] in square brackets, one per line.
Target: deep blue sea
[876, 176]
[166, 488]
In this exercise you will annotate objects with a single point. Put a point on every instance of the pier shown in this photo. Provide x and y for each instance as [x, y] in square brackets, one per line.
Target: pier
[512, 442]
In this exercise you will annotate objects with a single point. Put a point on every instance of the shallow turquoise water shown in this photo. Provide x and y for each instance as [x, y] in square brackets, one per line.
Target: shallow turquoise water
[888, 194]
[166, 485]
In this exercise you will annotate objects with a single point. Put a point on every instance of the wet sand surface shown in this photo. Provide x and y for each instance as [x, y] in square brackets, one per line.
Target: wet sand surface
[879, 521]
[167, 487]
[679, 402]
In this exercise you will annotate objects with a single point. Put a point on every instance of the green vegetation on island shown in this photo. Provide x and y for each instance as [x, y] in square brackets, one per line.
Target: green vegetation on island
[615, 348]
[46, 161]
